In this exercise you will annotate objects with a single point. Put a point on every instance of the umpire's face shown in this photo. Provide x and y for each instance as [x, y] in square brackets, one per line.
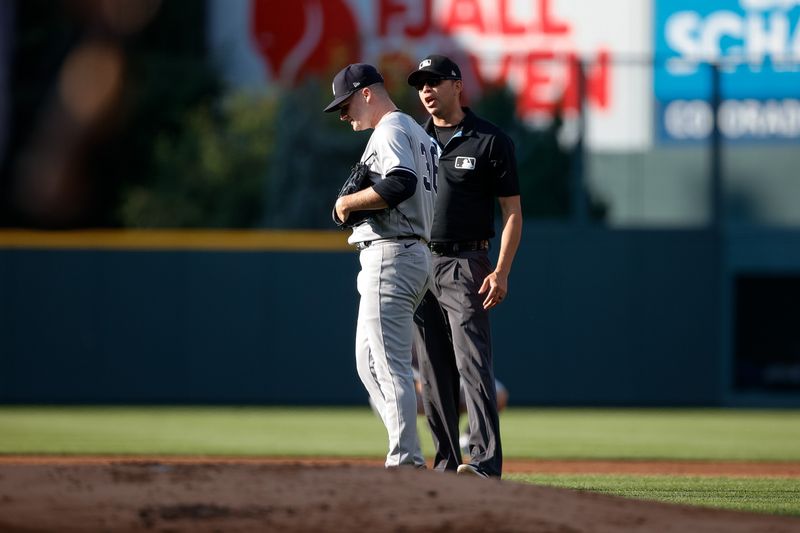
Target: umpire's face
[354, 110]
[441, 97]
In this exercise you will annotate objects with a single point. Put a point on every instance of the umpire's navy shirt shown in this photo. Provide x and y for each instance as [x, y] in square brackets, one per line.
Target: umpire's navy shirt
[475, 166]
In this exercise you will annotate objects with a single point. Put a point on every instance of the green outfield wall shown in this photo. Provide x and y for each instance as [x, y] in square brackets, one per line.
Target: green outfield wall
[594, 317]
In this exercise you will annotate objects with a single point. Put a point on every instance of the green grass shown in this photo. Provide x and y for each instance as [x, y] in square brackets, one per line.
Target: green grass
[761, 495]
[661, 434]
[712, 434]
[721, 434]
[191, 430]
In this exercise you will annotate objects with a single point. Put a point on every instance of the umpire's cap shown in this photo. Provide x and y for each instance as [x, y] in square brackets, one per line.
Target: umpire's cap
[434, 66]
[350, 79]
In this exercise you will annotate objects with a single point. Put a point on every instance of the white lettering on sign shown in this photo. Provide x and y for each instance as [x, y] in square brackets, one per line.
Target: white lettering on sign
[752, 38]
[688, 119]
[763, 5]
[755, 118]
[738, 119]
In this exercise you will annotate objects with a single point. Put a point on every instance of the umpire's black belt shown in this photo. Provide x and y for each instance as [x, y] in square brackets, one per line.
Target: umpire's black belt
[452, 248]
[366, 244]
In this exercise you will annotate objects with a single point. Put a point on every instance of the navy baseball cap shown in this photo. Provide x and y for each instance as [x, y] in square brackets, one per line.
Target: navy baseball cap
[350, 79]
[434, 66]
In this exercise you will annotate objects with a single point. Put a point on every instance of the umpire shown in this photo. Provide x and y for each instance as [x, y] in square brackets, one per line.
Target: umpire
[476, 165]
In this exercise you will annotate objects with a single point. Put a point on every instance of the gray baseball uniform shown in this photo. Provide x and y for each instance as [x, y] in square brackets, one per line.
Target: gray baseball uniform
[395, 272]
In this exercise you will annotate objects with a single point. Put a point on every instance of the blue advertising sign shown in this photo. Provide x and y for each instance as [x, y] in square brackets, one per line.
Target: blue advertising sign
[756, 45]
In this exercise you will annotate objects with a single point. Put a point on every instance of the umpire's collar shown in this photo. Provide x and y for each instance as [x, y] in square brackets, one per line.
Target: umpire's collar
[467, 124]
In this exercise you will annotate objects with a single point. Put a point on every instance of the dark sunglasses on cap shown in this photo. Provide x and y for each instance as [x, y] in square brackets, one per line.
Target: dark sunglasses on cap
[431, 82]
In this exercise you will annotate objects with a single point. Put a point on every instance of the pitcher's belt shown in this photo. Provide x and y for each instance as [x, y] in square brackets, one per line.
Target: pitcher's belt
[366, 244]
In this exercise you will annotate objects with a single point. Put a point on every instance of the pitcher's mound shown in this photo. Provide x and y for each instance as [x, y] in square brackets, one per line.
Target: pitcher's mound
[158, 496]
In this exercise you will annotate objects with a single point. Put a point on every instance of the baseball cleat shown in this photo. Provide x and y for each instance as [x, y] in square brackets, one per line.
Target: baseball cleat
[471, 470]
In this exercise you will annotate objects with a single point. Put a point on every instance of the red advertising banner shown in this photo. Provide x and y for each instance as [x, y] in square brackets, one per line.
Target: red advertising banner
[532, 46]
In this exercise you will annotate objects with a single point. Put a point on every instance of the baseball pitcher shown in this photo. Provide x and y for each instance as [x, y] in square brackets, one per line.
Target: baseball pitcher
[391, 215]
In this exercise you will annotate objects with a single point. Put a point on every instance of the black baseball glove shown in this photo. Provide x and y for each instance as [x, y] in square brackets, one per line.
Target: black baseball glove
[357, 181]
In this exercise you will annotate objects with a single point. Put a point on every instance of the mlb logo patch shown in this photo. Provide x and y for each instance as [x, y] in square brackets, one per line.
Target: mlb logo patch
[465, 163]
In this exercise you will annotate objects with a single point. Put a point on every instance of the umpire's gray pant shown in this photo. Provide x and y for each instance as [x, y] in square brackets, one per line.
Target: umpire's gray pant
[394, 276]
[454, 345]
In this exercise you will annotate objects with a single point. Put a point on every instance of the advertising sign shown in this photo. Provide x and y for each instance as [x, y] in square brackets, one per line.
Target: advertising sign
[532, 46]
[756, 45]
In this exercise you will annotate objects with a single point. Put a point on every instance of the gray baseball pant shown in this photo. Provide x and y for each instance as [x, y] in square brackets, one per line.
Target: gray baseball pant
[394, 276]
[454, 345]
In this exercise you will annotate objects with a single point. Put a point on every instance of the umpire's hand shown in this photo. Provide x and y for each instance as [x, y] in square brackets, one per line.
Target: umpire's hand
[497, 285]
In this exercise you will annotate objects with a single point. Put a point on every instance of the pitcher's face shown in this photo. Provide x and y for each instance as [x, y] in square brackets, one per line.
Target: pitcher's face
[354, 110]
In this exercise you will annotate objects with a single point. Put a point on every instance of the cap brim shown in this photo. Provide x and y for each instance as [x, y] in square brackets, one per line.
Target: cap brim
[337, 102]
[419, 76]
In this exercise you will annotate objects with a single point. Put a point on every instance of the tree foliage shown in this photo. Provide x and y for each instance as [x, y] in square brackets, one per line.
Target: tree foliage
[211, 172]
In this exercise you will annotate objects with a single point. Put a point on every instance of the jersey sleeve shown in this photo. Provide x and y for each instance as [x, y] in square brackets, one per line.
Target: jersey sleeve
[394, 150]
[398, 186]
[504, 162]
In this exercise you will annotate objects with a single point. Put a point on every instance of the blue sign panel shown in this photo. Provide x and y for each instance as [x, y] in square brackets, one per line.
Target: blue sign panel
[756, 46]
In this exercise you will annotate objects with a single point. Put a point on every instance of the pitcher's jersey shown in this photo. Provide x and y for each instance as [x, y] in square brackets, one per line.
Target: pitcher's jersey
[398, 142]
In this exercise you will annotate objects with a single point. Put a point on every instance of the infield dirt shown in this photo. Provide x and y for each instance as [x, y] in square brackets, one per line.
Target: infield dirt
[70, 494]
